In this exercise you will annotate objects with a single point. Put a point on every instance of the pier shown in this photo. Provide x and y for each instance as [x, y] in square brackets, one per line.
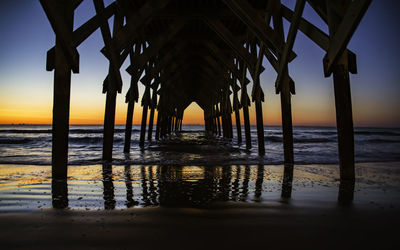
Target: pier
[208, 52]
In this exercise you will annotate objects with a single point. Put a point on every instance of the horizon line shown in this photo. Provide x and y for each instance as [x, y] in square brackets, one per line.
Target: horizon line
[198, 124]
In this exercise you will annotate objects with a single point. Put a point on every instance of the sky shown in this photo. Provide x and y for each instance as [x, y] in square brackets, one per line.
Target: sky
[26, 88]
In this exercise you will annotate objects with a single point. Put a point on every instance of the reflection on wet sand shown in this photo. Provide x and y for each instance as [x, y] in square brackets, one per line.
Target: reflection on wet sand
[130, 202]
[108, 191]
[59, 191]
[192, 186]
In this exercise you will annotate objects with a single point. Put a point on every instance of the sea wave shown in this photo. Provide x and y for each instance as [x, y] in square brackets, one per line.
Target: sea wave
[388, 133]
[379, 140]
[49, 131]
[16, 141]
[298, 140]
[26, 131]
[91, 140]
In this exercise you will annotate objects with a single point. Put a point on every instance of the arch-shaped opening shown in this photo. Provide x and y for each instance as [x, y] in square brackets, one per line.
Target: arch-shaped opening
[193, 115]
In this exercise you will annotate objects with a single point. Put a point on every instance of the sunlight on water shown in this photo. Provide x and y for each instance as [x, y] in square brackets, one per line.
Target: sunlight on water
[27, 188]
[23, 144]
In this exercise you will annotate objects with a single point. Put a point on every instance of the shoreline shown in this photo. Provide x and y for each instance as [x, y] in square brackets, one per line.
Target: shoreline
[252, 163]
[249, 214]
[28, 188]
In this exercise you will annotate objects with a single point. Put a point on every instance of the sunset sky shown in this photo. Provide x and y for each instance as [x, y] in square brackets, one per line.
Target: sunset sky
[26, 87]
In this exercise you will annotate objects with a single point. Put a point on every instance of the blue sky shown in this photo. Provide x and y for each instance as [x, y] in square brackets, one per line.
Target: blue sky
[26, 88]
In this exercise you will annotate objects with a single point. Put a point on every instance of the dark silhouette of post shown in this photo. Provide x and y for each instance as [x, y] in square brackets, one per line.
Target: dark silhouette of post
[158, 126]
[128, 126]
[62, 89]
[344, 122]
[236, 108]
[245, 107]
[153, 106]
[109, 124]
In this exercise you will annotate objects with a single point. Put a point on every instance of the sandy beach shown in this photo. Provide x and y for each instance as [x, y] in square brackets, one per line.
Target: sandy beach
[238, 207]
[231, 226]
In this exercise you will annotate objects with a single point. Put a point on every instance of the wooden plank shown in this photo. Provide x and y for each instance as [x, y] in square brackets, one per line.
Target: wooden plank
[60, 28]
[344, 32]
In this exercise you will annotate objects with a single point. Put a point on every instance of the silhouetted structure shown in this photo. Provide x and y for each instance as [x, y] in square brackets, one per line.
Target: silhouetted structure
[200, 51]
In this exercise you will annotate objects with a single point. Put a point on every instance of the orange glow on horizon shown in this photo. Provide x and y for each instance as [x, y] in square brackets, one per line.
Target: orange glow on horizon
[41, 113]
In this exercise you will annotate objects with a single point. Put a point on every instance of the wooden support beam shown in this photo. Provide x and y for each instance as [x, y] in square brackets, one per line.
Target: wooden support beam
[158, 126]
[258, 98]
[286, 108]
[284, 59]
[143, 126]
[145, 104]
[344, 119]
[259, 120]
[155, 46]
[62, 31]
[245, 106]
[225, 60]
[344, 116]
[112, 87]
[287, 126]
[109, 123]
[344, 32]
[114, 75]
[153, 106]
[83, 32]
[137, 20]
[244, 11]
[236, 108]
[226, 35]
[131, 97]
[62, 88]
[128, 126]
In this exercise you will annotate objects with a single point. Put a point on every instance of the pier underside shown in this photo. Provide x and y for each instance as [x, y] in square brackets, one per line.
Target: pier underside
[208, 52]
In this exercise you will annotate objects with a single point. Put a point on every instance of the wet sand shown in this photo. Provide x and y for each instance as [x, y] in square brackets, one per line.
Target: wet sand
[200, 207]
[232, 226]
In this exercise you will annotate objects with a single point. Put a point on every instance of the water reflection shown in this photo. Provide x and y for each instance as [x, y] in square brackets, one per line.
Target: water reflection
[130, 202]
[59, 192]
[108, 187]
[259, 182]
[193, 186]
[287, 181]
[346, 192]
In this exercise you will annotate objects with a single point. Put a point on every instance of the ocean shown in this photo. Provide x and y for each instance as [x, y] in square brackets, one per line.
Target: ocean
[192, 169]
[31, 145]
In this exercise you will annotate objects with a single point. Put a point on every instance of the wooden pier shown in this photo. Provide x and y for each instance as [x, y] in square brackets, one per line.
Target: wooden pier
[186, 51]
